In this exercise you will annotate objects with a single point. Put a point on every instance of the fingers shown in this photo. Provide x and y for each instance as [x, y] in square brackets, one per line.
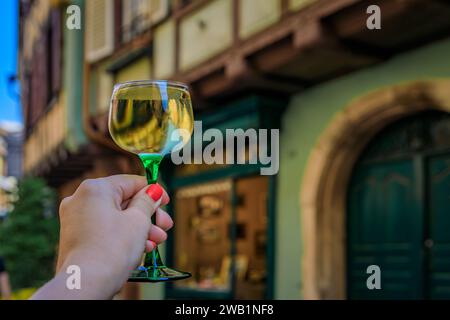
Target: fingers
[123, 186]
[157, 234]
[163, 220]
[165, 198]
[147, 201]
[150, 246]
[155, 191]
[124, 204]
[143, 203]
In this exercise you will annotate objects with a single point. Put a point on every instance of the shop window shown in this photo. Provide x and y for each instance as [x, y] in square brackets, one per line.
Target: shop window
[202, 243]
[251, 237]
[221, 241]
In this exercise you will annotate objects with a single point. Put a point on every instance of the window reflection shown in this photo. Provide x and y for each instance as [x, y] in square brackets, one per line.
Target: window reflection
[202, 243]
[251, 237]
[204, 234]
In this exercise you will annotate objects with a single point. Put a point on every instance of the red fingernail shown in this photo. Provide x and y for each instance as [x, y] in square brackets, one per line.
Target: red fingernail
[155, 192]
[150, 246]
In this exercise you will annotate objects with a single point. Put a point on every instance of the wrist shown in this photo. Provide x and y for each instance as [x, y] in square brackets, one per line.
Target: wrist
[101, 264]
[89, 276]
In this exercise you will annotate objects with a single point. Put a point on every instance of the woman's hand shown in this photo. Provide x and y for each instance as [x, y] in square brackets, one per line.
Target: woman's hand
[105, 228]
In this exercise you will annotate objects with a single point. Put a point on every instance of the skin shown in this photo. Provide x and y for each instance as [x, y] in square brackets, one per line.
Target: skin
[105, 228]
[5, 287]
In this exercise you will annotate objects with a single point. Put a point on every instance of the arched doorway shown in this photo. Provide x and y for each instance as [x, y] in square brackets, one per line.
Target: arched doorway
[323, 197]
[398, 211]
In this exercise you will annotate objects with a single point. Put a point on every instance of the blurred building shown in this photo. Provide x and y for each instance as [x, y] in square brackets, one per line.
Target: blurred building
[10, 165]
[3, 168]
[14, 143]
[364, 147]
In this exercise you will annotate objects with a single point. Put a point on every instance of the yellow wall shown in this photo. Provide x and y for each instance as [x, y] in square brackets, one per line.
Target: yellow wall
[105, 84]
[36, 18]
[299, 4]
[205, 33]
[164, 50]
[257, 15]
[49, 133]
[138, 70]
[2, 166]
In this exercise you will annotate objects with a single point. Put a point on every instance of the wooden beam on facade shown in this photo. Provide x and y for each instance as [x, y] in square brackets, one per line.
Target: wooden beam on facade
[405, 24]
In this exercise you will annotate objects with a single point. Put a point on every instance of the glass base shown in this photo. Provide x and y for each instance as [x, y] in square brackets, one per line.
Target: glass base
[157, 274]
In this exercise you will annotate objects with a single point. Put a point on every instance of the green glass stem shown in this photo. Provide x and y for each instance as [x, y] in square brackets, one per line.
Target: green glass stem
[151, 164]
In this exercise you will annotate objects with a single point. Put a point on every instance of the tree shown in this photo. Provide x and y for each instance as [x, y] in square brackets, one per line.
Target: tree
[29, 235]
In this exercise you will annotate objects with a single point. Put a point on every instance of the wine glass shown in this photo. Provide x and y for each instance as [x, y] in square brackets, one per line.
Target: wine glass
[151, 118]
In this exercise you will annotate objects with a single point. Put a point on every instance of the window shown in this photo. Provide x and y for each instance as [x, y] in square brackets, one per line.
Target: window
[54, 53]
[135, 18]
[139, 15]
[210, 224]
[41, 77]
[99, 29]
[203, 217]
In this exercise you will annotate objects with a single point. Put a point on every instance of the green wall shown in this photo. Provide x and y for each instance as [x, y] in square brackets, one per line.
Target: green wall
[306, 117]
[73, 53]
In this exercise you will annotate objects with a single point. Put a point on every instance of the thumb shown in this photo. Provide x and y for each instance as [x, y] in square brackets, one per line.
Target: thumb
[147, 200]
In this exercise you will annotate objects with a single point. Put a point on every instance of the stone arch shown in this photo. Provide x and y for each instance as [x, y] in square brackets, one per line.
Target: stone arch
[328, 171]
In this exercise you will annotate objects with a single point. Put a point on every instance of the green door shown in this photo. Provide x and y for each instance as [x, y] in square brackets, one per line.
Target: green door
[399, 212]
[438, 185]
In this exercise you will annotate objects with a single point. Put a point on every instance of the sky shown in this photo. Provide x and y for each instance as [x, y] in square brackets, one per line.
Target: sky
[10, 110]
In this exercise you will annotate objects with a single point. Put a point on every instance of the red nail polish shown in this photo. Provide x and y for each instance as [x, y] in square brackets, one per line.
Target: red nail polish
[150, 246]
[155, 192]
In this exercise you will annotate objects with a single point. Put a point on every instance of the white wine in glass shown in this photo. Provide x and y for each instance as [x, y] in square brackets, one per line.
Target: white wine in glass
[150, 118]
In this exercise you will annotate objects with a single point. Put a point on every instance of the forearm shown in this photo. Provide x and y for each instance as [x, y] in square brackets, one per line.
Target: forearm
[91, 281]
[4, 285]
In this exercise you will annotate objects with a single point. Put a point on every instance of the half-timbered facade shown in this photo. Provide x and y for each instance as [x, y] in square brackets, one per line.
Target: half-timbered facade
[311, 68]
